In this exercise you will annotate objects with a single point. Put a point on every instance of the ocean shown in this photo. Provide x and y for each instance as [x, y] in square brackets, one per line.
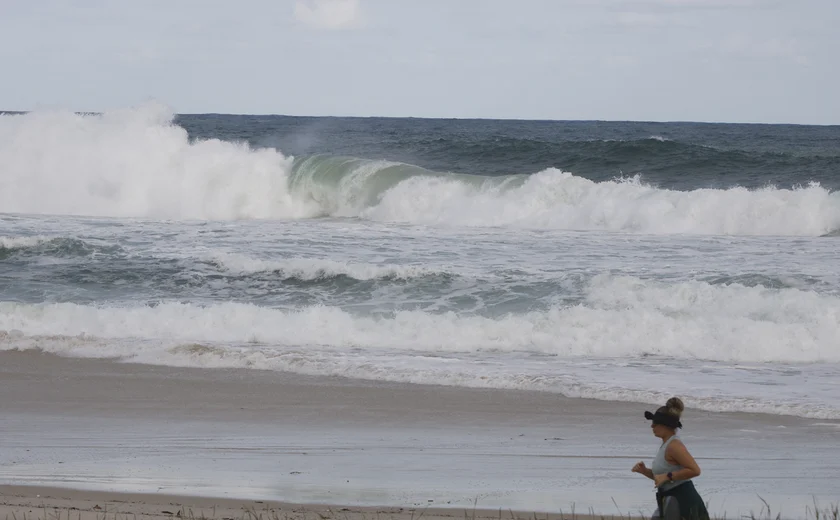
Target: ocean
[620, 261]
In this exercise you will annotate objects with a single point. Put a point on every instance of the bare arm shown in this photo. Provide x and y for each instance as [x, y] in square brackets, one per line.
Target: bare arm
[677, 452]
[643, 470]
[680, 454]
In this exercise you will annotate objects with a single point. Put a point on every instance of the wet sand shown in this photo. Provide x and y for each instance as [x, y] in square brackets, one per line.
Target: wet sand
[247, 435]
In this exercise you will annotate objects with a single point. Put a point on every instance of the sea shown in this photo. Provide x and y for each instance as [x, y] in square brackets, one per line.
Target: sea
[620, 261]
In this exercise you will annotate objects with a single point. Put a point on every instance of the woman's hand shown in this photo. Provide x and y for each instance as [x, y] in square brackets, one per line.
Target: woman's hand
[658, 480]
[642, 470]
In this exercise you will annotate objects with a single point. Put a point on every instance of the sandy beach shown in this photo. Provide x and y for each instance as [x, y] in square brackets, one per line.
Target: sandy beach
[233, 438]
[56, 503]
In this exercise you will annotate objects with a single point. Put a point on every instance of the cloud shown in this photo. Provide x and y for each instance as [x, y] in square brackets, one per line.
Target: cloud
[686, 5]
[631, 19]
[328, 14]
[745, 46]
[708, 4]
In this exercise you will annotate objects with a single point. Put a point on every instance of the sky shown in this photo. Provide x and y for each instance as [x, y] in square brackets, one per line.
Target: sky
[753, 61]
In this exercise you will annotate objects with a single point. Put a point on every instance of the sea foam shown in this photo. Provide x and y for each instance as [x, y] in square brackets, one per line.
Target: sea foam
[138, 163]
[620, 317]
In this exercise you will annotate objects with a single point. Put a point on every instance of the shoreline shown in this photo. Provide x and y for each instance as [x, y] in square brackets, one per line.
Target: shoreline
[187, 432]
[106, 369]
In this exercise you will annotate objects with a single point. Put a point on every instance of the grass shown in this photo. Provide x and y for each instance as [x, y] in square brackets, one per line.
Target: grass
[831, 512]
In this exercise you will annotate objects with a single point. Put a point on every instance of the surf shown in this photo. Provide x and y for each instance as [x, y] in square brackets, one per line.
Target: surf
[140, 163]
[690, 320]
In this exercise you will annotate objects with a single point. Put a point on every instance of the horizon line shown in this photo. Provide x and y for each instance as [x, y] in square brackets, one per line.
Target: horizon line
[438, 118]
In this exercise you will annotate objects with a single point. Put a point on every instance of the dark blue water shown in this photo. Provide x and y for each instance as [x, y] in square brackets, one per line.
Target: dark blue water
[679, 156]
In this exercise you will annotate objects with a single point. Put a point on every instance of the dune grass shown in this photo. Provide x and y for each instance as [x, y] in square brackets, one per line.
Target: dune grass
[815, 512]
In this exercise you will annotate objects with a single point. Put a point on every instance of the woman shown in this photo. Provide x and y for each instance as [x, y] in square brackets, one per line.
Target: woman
[673, 468]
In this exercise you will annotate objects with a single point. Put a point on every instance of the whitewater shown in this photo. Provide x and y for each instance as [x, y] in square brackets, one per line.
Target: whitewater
[136, 236]
[137, 163]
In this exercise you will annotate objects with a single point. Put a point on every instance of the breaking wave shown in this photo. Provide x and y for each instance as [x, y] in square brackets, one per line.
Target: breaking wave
[138, 163]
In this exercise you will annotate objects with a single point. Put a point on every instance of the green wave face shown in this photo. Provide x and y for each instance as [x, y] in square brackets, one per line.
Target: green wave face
[343, 186]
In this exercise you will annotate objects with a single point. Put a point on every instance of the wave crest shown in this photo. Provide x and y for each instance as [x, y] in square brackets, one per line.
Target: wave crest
[311, 269]
[689, 320]
[138, 163]
[553, 199]
[14, 243]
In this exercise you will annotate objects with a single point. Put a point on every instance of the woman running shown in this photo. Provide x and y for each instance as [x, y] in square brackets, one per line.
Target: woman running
[673, 468]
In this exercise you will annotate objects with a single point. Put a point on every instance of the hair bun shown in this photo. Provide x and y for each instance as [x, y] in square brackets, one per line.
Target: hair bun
[675, 406]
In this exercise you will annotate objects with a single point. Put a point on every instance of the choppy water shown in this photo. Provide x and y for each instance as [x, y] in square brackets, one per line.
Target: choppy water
[624, 261]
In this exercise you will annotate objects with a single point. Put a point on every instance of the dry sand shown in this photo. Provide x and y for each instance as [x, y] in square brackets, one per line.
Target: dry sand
[44, 503]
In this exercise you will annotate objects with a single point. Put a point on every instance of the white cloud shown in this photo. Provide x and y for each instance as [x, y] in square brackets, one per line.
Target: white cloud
[328, 14]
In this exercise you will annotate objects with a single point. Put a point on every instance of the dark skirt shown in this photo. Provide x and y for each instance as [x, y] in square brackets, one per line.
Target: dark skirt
[688, 502]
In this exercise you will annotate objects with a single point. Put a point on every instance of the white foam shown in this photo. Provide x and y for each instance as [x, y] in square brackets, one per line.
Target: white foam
[22, 242]
[553, 199]
[607, 381]
[136, 163]
[319, 268]
[622, 317]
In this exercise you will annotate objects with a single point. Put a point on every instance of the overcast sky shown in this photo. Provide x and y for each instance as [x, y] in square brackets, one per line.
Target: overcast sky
[662, 60]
